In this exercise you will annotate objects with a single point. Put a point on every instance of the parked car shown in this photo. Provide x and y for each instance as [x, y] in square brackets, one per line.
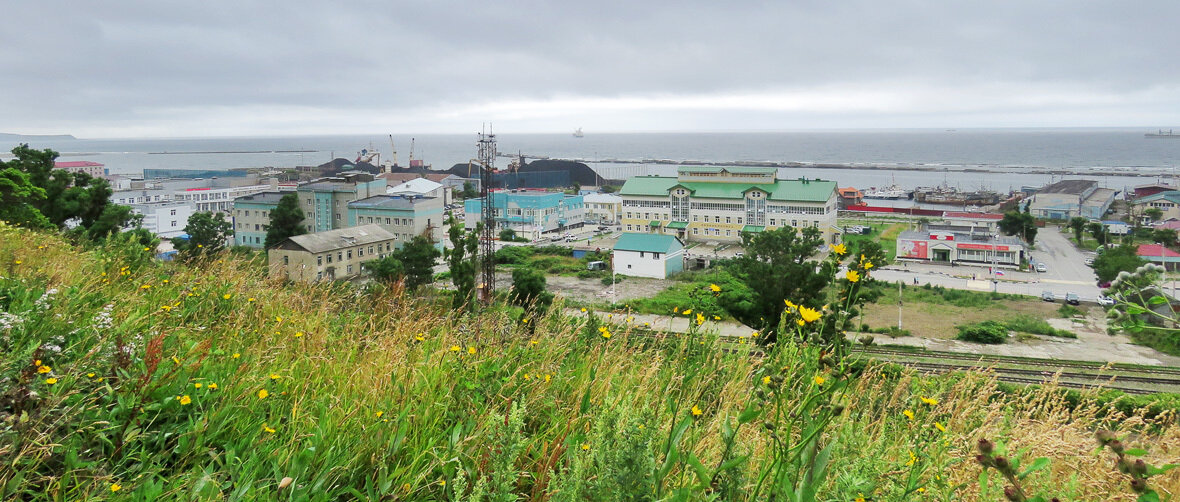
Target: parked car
[556, 238]
[1072, 298]
[1041, 267]
[1105, 301]
[1089, 260]
[1048, 296]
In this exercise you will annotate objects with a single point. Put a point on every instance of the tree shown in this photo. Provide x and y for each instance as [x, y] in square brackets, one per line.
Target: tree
[469, 191]
[207, 233]
[461, 260]
[418, 257]
[114, 218]
[1109, 263]
[609, 188]
[528, 289]
[508, 235]
[1020, 224]
[1154, 213]
[389, 269]
[775, 268]
[1165, 236]
[1099, 231]
[17, 195]
[68, 197]
[286, 220]
[1078, 225]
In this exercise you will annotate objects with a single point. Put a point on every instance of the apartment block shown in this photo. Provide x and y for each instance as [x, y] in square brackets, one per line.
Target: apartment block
[330, 255]
[530, 214]
[404, 216]
[325, 201]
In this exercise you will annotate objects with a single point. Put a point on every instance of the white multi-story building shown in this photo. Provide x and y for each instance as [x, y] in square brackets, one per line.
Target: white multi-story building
[217, 200]
[720, 203]
[165, 219]
[603, 208]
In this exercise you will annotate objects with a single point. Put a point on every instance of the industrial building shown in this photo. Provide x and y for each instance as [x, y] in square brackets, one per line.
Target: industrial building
[960, 244]
[720, 203]
[1069, 198]
[530, 214]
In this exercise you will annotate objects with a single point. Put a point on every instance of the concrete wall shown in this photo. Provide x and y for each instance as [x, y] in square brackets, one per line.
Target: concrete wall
[343, 263]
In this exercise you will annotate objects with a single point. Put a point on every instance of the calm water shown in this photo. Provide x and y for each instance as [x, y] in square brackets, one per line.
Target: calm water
[1013, 152]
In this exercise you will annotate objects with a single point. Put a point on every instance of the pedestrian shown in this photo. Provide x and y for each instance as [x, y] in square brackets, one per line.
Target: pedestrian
[915, 280]
[973, 277]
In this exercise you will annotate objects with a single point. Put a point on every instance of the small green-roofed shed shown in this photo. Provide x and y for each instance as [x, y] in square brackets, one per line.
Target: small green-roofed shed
[648, 255]
[650, 243]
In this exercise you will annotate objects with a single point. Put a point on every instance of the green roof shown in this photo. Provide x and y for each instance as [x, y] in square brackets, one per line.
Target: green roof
[678, 224]
[654, 223]
[785, 190]
[753, 228]
[1170, 196]
[652, 243]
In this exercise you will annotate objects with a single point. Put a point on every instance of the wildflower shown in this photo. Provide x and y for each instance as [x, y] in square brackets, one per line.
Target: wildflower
[853, 276]
[754, 335]
[419, 337]
[50, 380]
[583, 310]
[838, 249]
[715, 288]
[908, 414]
[606, 334]
[213, 386]
[790, 305]
[250, 300]
[700, 319]
[939, 427]
[185, 400]
[44, 369]
[809, 315]
[165, 280]
[262, 393]
[146, 286]
[278, 318]
[90, 375]
[268, 429]
[524, 321]
[455, 348]
[226, 296]
[819, 380]
[166, 308]
[766, 380]
[860, 497]
[676, 310]
[379, 413]
[527, 376]
[274, 376]
[687, 312]
[929, 401]
[913, 459]
[18, 262]
[471, 350]
[696, 411]
[236, 355]
[800, 322]
[175, 360]
[442, 482]
[585, 447]
[533, 342]
[547, 377]
[116, 487]
[197, 385]
[298, 334]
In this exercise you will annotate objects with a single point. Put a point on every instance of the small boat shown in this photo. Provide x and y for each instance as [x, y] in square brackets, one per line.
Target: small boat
[578, 133]
[889, 192]
[1158, 134]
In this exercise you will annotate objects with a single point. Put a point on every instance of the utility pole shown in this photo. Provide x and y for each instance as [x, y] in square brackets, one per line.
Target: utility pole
[899, 305]
[487, 160]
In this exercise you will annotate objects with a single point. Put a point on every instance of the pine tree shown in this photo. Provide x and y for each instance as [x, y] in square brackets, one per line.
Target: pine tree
[286, 220]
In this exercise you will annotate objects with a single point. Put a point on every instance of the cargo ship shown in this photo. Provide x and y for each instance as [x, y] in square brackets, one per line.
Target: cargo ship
[949, 195]
[1161, 134]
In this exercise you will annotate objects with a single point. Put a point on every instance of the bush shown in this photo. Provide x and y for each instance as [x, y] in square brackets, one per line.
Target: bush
[611, 279]
[513, 255]
[990, 332]
[1067, 311]
[1029, 324]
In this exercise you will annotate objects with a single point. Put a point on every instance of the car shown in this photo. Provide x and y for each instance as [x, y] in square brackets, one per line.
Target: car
[1105, 301]
[1048, 296]
[1041, 267]
[1072, 298]
[556, 238]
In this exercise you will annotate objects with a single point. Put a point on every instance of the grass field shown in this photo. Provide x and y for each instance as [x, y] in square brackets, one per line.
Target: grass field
[929, 315]
[123, 378]
[885, 233]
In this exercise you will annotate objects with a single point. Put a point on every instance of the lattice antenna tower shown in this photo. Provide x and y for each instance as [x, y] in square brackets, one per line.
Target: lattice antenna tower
[487, 161]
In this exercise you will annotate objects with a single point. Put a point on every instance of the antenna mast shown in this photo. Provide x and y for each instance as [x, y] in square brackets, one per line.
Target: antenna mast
[487, 160]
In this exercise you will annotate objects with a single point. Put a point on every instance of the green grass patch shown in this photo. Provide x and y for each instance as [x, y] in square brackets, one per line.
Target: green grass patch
[940, 295]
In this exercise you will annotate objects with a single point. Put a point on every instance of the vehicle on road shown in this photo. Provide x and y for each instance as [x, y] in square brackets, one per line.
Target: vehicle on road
[1089, 261]
[1105, 301]
[556, 238]
[1072, 298]
[1041, 267]
[1048, 296]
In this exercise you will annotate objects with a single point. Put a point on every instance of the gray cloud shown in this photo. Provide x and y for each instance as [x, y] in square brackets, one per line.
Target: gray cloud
[196, 68]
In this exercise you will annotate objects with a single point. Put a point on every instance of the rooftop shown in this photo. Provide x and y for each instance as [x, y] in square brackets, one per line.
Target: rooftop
[784, 190]
[1156, 251]
[332, 240]
[77, 163]
[652, 243]
[261, 198]
[974, 216]
[416, 185]
[962, 237]
[389, 202]
[1074, 187]
[1170, 196]
[731, 170]
[602, 198]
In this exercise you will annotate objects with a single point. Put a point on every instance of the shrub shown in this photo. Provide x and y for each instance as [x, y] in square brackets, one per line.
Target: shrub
[1067, 311]
[612, 279]
[991, 332]
[1029, 324]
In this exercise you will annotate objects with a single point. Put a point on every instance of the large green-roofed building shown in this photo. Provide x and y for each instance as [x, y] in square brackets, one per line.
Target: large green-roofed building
[719, 203]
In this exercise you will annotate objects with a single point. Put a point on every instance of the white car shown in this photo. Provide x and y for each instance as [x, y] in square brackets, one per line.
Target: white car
[1041, 267]
[1105, 301]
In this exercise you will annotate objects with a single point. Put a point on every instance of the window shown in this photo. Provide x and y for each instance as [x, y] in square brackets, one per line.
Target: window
[647, 216]
[387, 221]
[173, 213]
[815, 224]
[173, 223]
[628, 228]
[337, 216]
[771, 222]
[694, 230]
[360, 252]
[694, 218]
[740, 220]
[641, 254]
[340, 256]
[319, 275]
[370, 249]
[247, 213]
[350, 254]
[350, 269]
[794, 223]
[319, 261]
[286, 260]
[716, 219]
[655, 256]
[255, 227]
[727, 232]
[329, 257]
[728, 219]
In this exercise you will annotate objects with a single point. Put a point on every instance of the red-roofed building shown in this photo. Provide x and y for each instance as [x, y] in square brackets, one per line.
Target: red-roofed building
[989, 221]
[94, 169]
[850, 197]
[1156, 253]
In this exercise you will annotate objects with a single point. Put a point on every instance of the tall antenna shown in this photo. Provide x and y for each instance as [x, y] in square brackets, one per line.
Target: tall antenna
[487, 161]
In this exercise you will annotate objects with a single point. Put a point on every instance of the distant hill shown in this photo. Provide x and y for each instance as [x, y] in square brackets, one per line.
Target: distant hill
[4, 136]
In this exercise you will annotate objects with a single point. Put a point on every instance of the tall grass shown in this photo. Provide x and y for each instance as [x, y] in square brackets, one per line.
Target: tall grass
[160, 371]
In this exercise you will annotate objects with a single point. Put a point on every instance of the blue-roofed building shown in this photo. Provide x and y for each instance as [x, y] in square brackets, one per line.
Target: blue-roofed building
[531, 215]
[648, 255]
[1069, 198]
[404, 216]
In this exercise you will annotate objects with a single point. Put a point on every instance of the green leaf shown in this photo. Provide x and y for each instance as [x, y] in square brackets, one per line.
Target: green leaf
[698, 468]
[1149, 496]
[733, 462]
[1135, 309]
[1138, 452]
[1037, 465]
[726, 431]
[1152, 470]
[1157, 300]
[750, 414]
[983, 480]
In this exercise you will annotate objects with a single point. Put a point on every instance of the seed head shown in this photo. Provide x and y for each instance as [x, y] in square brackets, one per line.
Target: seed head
[986, 447]
[1139, 485]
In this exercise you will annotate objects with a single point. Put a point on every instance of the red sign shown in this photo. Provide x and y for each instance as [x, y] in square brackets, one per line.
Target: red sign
[984, 247]
[912, 249]
[196, 189]
[942, 237]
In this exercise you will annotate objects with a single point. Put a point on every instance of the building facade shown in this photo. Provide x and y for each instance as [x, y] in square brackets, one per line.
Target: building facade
[603, 208]
[648, 255]
[1167, 202]
[331, 255]
[403, 216]
[94, 169]
[422, 187]
[217, 200]
[165, 219]
[251, 217]
[955, 245]
[530, 214]
[325, 201]
[719, 203]
[1069, 198]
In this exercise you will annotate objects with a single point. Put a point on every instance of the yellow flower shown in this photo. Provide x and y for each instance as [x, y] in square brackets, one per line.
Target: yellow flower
[838, 249]
[278, 318]
[860, 497]
[547, 377]
[471, 350]
[442, 482]
[583, 310]
[696, 411]
[715, 288]
[606, 334]
[800, 322]
[455, 348]
[90, 375]
[908, 414]
[116, 487]
[819, 380]
[754, 335]
[766, 380]
[867, 265]
[676, 310]
[524, 321]
[688, 312]
[790, 305]
[175, 360]
[585, 446]
[166, 308]
[419, 337]
[533, 342]
[212, 386]
[809, 315]
[853, 276]
[251, 299]
[185, 400]
[262, 393]
[298, 334]
[700, 319]
[50, 380]
[146, 286]
[929, 401]
[197, 385]
[527, 376]
[236, 355]
[939, 427]
[268, 429]
[44, 369]
[18, 262]
[379, 413]
[274, 376]
[227, 296]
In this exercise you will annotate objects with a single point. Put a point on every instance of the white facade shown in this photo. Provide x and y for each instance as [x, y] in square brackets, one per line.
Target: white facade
[165, 219]
[422, 187]
[217, 200]
[645, 263]
[603, 208]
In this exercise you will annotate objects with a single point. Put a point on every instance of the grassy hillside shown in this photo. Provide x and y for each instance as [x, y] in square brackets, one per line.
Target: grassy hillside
[126, 379]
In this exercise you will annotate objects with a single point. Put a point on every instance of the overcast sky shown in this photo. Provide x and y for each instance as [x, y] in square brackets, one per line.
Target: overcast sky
[220, 68]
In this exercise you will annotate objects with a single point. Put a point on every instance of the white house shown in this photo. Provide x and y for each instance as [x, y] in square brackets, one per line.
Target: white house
[165, 219]
[424, 188]
[648, 255]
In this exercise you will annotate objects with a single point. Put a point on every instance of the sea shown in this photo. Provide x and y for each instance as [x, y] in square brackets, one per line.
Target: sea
[967, 159]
